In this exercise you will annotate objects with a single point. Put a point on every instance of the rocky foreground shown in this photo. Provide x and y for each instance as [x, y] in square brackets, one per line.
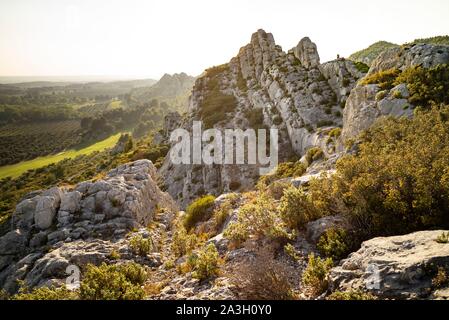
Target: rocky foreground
[90, 222]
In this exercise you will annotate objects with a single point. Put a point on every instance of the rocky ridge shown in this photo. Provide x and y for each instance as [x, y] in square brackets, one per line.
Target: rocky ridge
[291, 90]
[84, 224]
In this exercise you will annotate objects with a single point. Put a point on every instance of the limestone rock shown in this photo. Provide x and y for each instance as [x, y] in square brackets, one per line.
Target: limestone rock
[307, 53]
[46, 209]
[393, 267]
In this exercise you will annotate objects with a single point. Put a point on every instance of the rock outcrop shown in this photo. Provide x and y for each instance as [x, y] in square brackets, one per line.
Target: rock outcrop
[289, 91]
[57, 227]
[400, 267]
[366, 103]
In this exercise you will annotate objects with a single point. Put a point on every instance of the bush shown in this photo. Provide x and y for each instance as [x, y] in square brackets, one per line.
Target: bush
[46, 293]
[351, 295]
[113, 282]
[426, 86]
[314, 154]
[258, 218]
[205, 263]
[263, 278]
[385, 79]
[443, 238]
[222, 212]
[441, 279]
[183, 242]
[399, 181]
[296, 209]
[314, 277]
[361, 67]
[199, 210]
[290, 169]
[140, 245]
[335, 243]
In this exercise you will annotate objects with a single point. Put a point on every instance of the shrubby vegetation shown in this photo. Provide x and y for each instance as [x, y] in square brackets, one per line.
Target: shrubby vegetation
[398, 182]
[46, 293]
[296, 208]
[205, 263]
[215, 104]
[314, 277]
[199, 210]
[336, 243]
[426, 86]
[104, 282]
[140, 245]
[113, 282]
[350, 295]
[384, 79]
[257, 218]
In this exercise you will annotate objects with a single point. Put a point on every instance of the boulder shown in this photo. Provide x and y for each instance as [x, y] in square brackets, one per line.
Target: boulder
[393, 267]
[46, 209]
[13, 242]
[70, 201]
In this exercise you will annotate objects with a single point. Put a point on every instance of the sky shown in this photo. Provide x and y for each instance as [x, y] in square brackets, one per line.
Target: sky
[145, 39]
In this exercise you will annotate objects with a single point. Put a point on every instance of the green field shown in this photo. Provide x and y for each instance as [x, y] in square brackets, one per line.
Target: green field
[17, 169]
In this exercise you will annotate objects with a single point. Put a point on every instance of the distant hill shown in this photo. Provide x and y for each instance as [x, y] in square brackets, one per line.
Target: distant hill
[172, 89]
[440, 40]
[369, 54]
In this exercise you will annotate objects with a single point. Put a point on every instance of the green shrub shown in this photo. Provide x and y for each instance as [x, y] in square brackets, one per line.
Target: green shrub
[259, 218]
[335, 243]
[216, 104]
[399, 180]
[381, 95]
[46, 293]
[443, 238]
[314, 277]
[113, 282]
[351, 295]
[361, 67]
[314, 154]
[262, 278]
[426, 86]
[289, 169]
[183, 242]
[199, 210]
[205, 263]
[296, 208]
[385, 79]
[140, 245]
[441, 279]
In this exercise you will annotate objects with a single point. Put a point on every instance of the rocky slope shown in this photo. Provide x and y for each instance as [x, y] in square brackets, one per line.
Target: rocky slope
[54, 228]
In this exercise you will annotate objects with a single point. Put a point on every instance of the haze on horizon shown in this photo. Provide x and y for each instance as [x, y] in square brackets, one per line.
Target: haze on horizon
[140, 39]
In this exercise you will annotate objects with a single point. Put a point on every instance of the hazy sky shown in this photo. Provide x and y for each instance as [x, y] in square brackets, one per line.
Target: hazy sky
[150, 38]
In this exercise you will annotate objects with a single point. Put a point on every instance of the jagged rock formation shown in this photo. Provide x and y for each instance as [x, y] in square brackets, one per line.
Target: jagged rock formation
[78, 225]
[394, 267]
[366, 103]
[291, 91]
